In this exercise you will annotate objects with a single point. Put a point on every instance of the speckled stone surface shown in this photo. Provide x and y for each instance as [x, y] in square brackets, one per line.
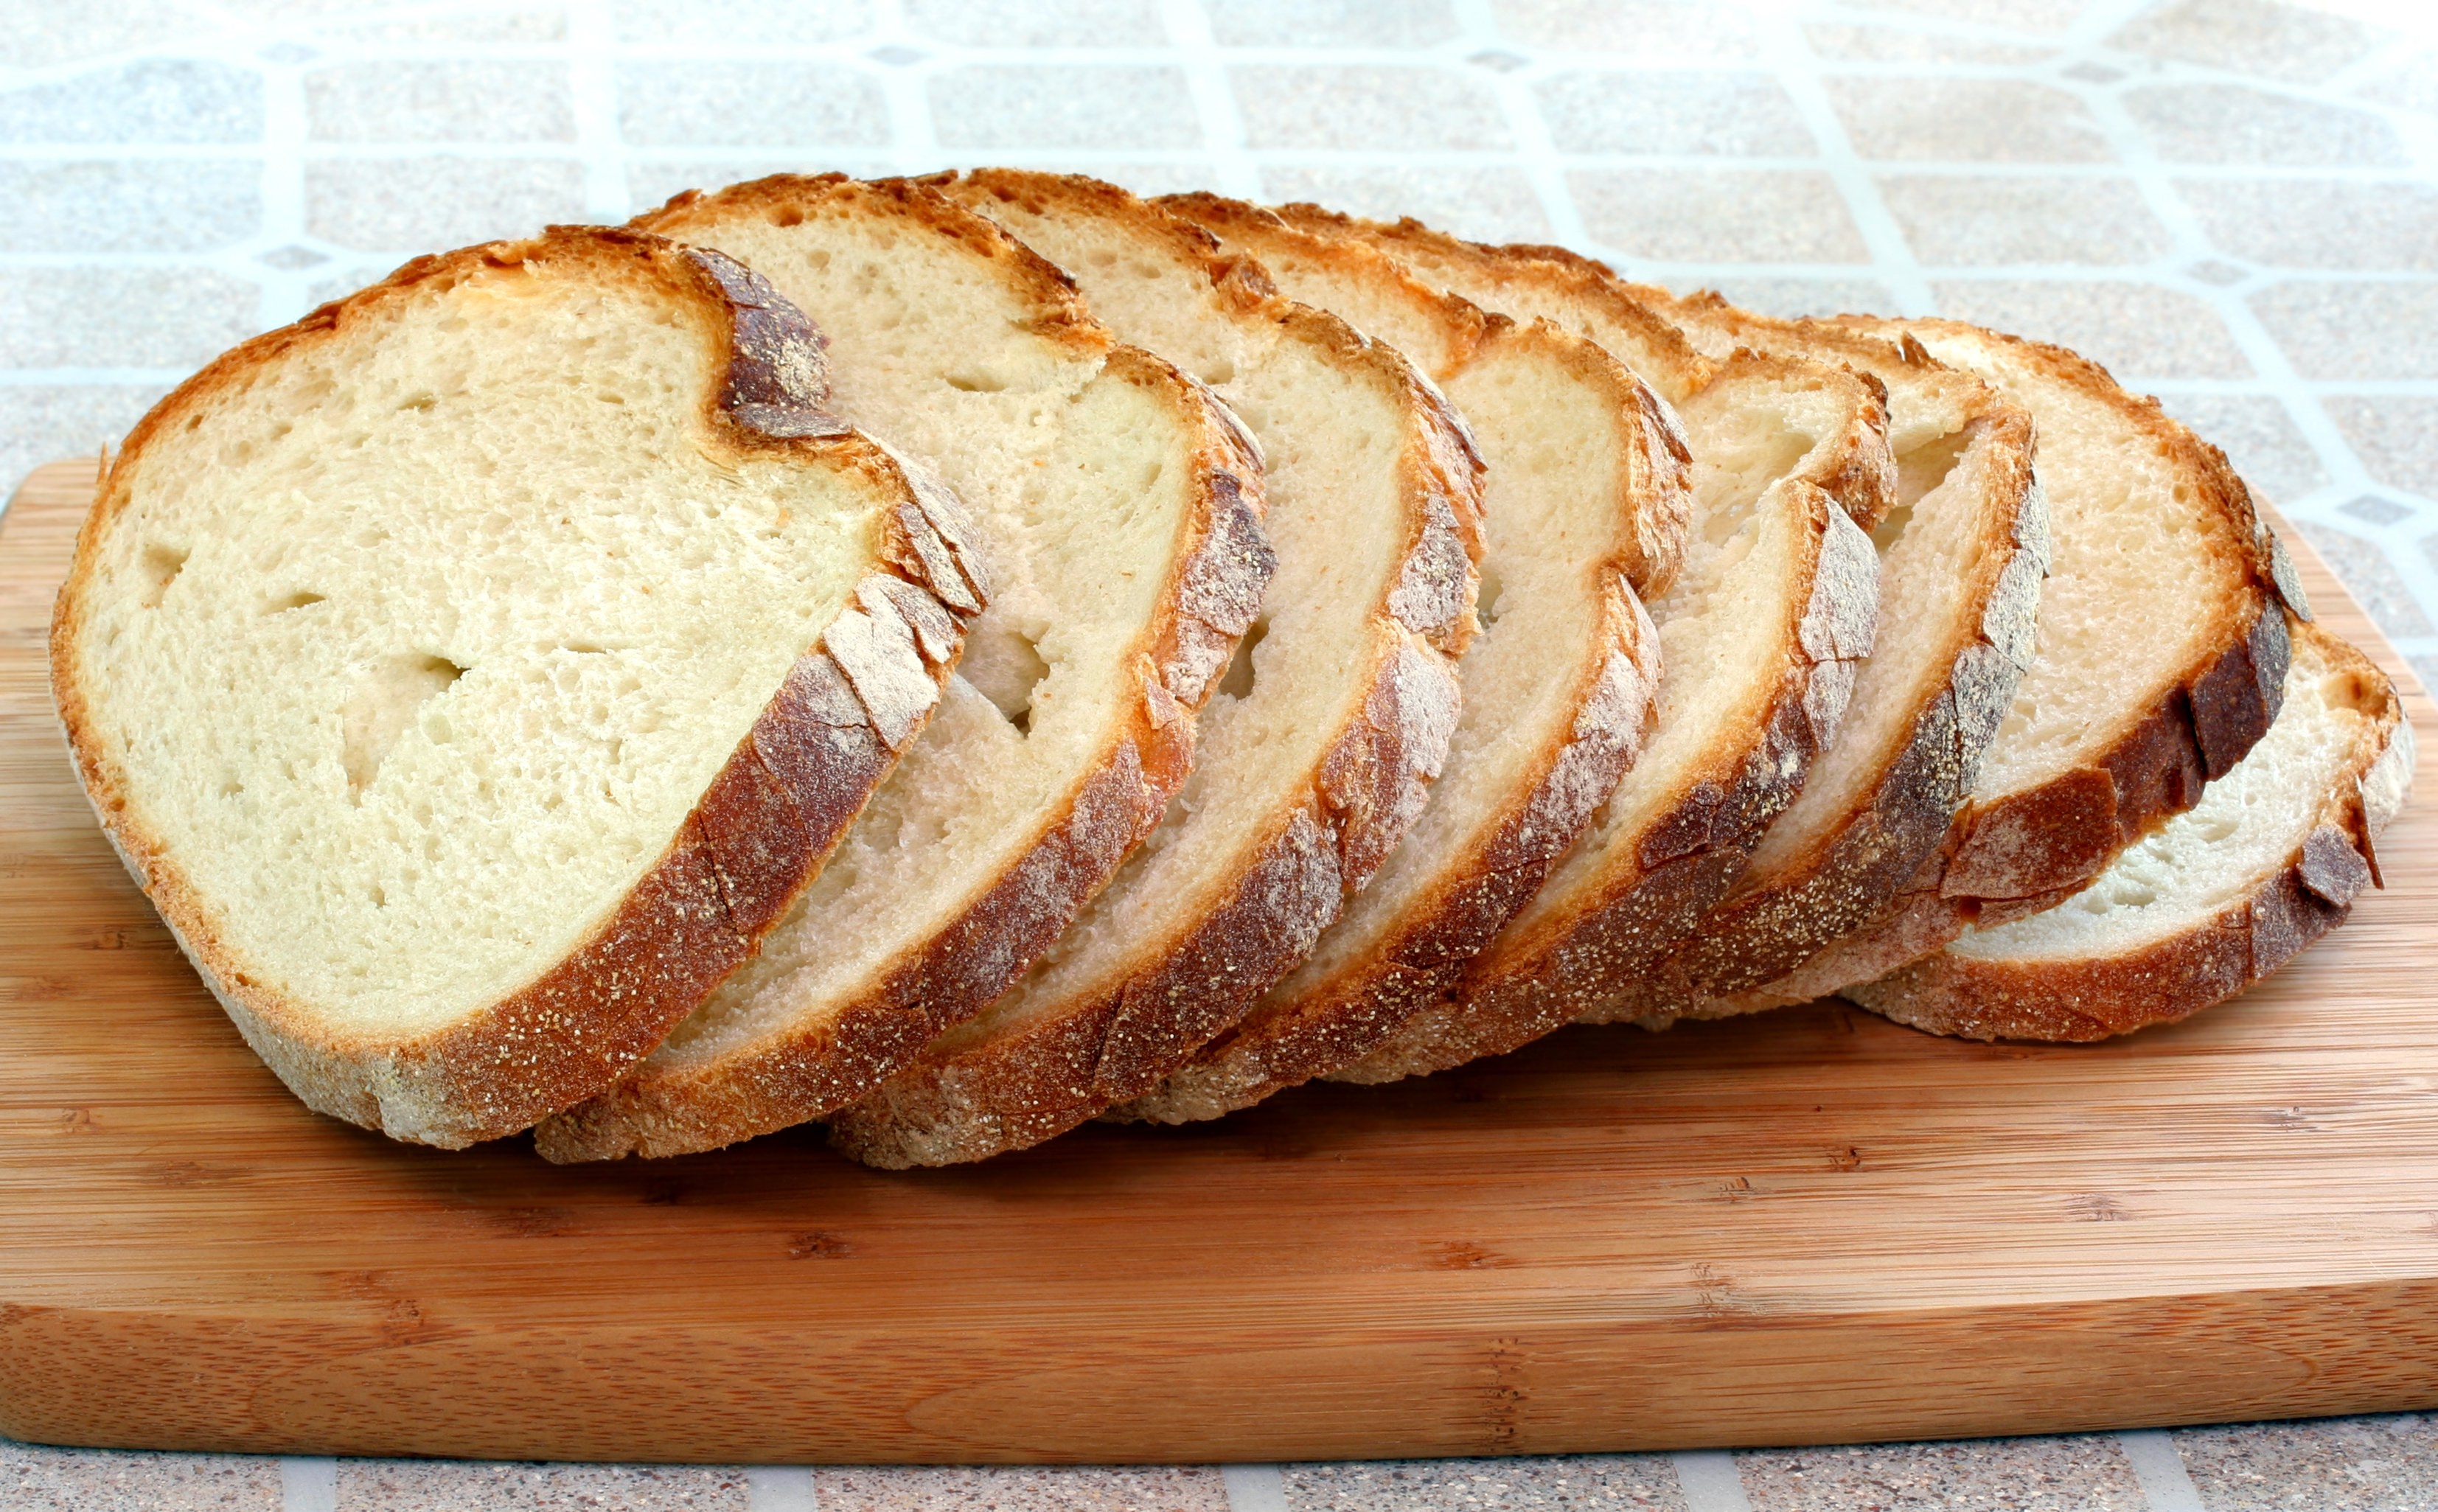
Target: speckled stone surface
[2050, 1475]
[2231, 204]
[2135, 330]
[1970, 220]
[1575, 1484]
[445, 1486]
[997, 1489]
[1690, 215]
[2347, 1464]
[34, 1479]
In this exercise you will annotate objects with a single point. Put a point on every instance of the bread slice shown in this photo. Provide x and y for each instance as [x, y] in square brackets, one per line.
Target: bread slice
[1585, 507]
[1120, 503]
[1760, 636]
[1316, 756]
[472, 672]
[1961, 560]
[2159, 655]
[2205, 904]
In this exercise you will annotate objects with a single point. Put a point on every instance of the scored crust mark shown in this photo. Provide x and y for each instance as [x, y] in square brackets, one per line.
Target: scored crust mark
[1212, 598]
[2018, 853]
[1928, 749]
[1115, 1039]
[753, 841]
[2211, 958]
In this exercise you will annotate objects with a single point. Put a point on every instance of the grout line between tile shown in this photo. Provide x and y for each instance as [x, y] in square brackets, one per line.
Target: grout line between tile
[777, 1489]
[283, 196]
[308, 1484]
[592, 93]
[905, 93]
[1196, 52]
[2159, 1469]
[1254, 1487]
[1711, 1481]
[1891, 256]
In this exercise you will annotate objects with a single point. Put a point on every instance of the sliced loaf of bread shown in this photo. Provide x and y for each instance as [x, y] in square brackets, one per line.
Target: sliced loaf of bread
[2158, 658]
[1961, 561]
[474, 671]
[1584, 504]
[2204, 905]
[1120, 507]
[1760, 636]
[1314, 757]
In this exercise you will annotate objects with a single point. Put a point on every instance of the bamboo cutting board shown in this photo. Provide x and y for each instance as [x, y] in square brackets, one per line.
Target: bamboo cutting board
[1812, 1227]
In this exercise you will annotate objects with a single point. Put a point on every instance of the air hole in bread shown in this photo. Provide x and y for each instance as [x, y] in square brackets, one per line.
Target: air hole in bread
[418, 402]
[1005, 666]
[1486, 606]
[162, 564]
[384, 707]
[1919, 470]
[302, 598]
[1238, 683]
[1217, 370]
[788, 215]
[973, 382]
[1738, 466]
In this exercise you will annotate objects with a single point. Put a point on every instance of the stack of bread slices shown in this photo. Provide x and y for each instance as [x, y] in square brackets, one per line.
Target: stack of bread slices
[953, 659]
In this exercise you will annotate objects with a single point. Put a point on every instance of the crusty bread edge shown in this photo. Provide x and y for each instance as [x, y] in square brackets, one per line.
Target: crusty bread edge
[2201, 726]
[1663, 880]
[1213, 595]
[1765, 930]
[1496, 868]
[2032, 849]
[1082, 1057]
[2162, 981]
[755, 840]
[1854, 467]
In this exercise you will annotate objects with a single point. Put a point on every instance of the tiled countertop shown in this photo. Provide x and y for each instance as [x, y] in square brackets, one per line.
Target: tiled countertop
[2231, 204]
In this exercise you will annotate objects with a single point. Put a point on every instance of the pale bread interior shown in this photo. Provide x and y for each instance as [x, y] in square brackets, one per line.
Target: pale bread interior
[1554, 475]
[1081, 481]
[1722, 623]
[1929, 546]
[419, 646]
[1722, 638]
[1338, 520]
[2138, 584]
[2247, 827]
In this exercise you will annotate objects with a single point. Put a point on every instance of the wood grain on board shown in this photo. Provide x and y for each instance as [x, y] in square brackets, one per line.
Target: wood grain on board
[1810, 1227]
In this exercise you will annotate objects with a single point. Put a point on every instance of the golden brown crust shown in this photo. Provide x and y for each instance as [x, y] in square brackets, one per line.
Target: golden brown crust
[1666, 879]
[756, 838]
[2163, 980]
[1071, 1059]
[1657, 885]
[1853, 465]
[1860, 859]
[2019, 851]
[1350, 1015]
[1214, 592]
[1477, 887]
[1656, 495]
